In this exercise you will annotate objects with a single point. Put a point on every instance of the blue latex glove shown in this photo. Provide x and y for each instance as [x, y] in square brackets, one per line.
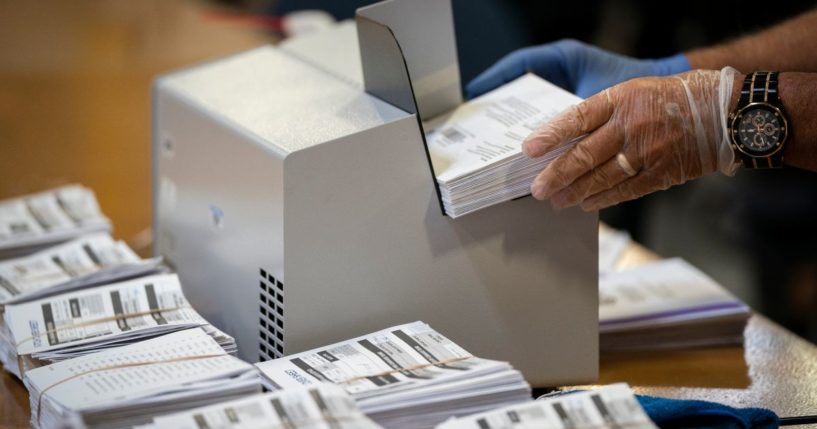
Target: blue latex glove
[575, 66]
[677, 414]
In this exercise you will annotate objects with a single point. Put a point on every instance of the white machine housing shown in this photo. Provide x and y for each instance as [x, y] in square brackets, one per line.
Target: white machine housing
[299, 209]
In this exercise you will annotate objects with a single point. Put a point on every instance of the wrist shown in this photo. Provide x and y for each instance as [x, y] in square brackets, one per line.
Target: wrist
[703, 59]
[729, 95]
[672, 65]
[796, 92]
[735, 97]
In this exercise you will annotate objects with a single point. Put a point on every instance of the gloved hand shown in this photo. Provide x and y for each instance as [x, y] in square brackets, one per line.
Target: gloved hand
[575, 66]
[641, 136]
[691, 414]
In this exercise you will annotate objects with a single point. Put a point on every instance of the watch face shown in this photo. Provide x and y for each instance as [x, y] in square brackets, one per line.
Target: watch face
[759, 129]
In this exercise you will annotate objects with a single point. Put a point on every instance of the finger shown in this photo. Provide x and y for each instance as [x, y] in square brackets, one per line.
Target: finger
[606, 176]
[571, 123]
[586, 155]
[639, 185]
[503, 71]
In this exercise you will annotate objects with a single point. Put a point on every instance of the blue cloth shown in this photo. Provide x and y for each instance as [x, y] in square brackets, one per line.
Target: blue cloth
[575, 66]
[675, 413]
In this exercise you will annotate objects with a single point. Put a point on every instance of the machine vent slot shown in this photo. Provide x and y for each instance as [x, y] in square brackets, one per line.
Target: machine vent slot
[270, 317]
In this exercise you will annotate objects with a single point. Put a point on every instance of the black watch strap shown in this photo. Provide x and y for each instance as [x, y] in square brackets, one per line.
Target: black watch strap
[759, 87]
[774, 161]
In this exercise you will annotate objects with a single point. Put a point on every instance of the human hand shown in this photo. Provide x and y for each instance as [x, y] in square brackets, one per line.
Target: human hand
[575, 66]
[641, 136]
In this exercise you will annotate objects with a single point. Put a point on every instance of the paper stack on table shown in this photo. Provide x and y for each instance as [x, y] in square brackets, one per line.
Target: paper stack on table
[405, 376]
[476, 149]
[323, 406]
[610, 407]
[130, 385]
[89, 260]
[77, 323]
[667, 304]
[46, 218]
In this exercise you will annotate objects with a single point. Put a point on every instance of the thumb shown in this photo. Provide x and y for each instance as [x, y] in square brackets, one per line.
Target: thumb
[508, 68]
[572, 123]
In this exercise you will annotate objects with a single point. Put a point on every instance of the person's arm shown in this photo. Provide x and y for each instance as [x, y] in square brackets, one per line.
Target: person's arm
[788, 46]
[575, 66]
[648, 134]
[798, 93]
[585, 70]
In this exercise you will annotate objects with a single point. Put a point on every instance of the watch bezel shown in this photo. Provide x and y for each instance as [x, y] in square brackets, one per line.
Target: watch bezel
[733, 129]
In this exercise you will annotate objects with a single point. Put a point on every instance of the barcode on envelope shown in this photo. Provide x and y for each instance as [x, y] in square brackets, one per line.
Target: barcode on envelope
[453, 134]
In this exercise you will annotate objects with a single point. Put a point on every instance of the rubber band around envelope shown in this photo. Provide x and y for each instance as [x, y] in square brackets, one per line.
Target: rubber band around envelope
[102, 320]
[411, 368]
[120, 366]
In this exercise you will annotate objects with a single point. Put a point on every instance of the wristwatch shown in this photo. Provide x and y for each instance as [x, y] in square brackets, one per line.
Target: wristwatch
[758, 127]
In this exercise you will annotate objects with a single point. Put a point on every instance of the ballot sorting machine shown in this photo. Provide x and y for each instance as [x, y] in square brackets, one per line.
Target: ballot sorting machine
[294, 195]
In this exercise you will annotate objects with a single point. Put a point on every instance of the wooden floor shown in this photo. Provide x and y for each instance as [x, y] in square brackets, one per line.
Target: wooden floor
[75, 93]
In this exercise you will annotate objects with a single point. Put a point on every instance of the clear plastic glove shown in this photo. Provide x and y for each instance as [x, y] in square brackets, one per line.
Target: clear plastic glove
[575, 66]
[643, 135]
